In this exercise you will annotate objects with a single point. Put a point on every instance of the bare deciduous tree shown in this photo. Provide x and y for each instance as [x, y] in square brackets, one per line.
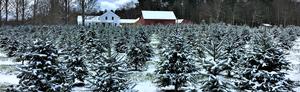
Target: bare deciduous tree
[6, 10]
[1, 12]
[86, 5]
[67, 10]
[23, 10]
[17, 6]
[82, 4]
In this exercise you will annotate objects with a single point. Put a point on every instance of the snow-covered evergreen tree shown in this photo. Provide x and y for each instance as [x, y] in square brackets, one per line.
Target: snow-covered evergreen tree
[105, 73]
[3, 41]
[136, 59]
[286, 38]
[216, 69]
[176, 66]
[234, 47]
[121, 45]
[139, 52]
[109, 76]
[122, 41]
[76, 67]
[43, 71]
[245, 35]
[144, 41]
[144, 37]
[215, 66]
[12, 48]
[92, 47]
[263, 67]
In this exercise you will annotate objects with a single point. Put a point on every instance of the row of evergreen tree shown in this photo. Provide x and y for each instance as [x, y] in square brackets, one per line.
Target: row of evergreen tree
[225, 58]
[211, 57]
[65, 57]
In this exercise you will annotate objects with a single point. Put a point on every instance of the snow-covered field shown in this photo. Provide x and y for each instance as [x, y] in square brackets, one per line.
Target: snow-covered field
[146, 84]
[7, 77]
[8, 61]
[2, 55]
[294, 58]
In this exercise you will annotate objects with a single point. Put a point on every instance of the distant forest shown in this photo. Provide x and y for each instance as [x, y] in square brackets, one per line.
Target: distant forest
[239, 12]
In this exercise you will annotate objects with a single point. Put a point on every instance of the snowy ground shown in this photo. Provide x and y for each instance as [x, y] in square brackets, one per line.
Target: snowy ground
[294, 58]
[7, 72]
[147, 85]
[8, 61]
[8, 78]
[2, 55]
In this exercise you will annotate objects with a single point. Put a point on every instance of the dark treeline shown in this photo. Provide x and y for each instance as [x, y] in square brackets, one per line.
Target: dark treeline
[34, 12]
[251, 12]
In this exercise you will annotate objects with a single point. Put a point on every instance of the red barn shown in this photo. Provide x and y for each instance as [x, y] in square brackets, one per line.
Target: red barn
[157, 17]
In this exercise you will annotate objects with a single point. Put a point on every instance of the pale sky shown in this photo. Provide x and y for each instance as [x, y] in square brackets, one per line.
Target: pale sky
[100, 5]
[113, 4]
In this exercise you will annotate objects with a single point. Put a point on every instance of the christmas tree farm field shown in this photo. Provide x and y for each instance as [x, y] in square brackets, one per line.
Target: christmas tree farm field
[159, 58]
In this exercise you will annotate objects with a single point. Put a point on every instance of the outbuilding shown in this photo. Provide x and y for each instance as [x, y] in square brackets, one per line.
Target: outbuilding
[128, 21]
[157, 17]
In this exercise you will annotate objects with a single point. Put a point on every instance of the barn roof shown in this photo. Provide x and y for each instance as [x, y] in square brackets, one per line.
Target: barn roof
[166, 15]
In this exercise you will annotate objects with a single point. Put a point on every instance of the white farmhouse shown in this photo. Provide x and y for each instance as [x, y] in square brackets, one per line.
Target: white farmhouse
[109, 18]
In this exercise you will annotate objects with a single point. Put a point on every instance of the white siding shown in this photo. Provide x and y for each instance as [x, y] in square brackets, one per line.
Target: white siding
[108, 18]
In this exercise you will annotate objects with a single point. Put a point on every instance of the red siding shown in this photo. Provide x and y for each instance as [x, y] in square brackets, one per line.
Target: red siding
[154, 21]
[187, 22]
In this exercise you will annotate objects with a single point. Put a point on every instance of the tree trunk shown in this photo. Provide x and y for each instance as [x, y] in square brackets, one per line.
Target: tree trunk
[176, 87]
[34, 11]
[0, 13]
[229, 73]
[83, 12]
[23, 11]
[6, 11]
[254, 18]
[136, 67]
[55, 12]
[218, 8]
[66, 11]
[233, 13]
[17, 9]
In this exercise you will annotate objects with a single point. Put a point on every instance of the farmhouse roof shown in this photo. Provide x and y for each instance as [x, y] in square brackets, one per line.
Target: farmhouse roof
[165, 15]
[109, 13]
